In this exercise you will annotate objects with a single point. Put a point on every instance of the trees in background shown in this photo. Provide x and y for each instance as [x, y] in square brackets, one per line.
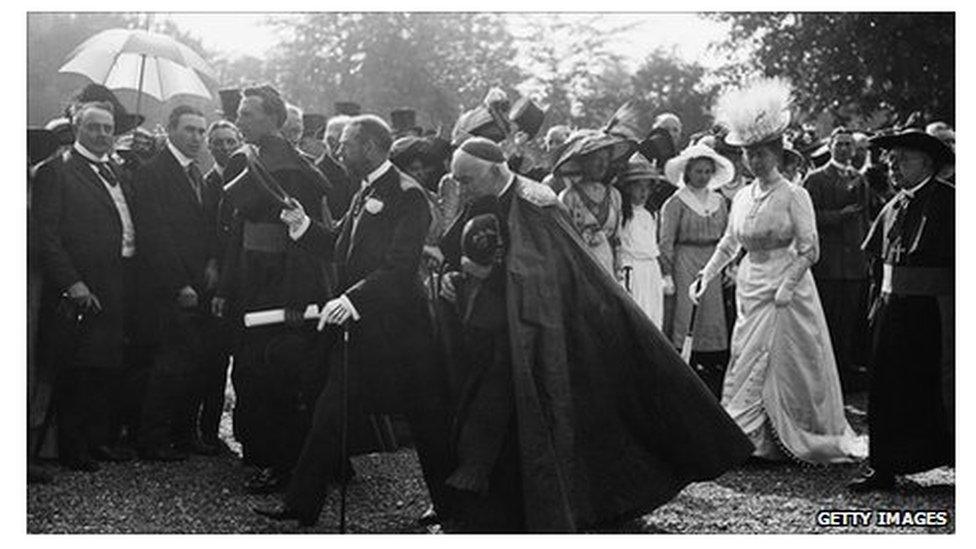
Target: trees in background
[853, 65]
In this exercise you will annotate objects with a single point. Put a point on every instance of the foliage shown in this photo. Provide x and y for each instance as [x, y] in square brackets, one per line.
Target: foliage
[854, 64]
[431, 62]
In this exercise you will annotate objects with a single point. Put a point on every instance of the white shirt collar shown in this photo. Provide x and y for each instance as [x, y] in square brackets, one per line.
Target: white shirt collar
[183, 159]
[220, 171]
[83, 151]
[377, 173]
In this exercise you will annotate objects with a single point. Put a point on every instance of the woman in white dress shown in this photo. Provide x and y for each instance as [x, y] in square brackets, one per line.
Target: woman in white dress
[637, 254]
[782, 386]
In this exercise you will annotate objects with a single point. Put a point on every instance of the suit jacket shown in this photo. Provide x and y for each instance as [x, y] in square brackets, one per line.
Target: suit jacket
[214, 185]
[342, 187]
[76, 235]
[186, 227]
[840, 234]
[378, 270]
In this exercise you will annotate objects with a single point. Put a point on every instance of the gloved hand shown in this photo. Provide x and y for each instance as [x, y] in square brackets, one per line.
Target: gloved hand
[696, 290]
[784, 295]
[294, 216]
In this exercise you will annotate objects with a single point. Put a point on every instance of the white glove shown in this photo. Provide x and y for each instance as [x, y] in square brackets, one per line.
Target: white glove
[337, 311]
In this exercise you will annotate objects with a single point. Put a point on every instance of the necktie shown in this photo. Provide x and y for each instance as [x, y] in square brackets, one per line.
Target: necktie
[106, 173]
[196, 181]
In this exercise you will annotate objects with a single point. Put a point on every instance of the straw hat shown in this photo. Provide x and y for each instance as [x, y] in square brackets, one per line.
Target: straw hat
[675, 168]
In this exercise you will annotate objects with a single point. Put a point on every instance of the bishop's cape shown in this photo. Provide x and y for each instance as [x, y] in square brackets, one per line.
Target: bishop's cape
[610, 422]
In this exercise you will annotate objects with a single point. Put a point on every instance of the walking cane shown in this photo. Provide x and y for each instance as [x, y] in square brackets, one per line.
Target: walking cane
[690, 336]
[344, 429]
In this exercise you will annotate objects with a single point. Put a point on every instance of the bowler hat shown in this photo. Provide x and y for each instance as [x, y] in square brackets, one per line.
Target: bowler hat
[917, 140]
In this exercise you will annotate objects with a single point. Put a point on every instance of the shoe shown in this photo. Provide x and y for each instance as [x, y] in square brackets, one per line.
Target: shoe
[162, 453]
[114, 454]
[429, 517]
[872, 481]
[280, 512]
[221, 446]
[266, 481]
[85, 464]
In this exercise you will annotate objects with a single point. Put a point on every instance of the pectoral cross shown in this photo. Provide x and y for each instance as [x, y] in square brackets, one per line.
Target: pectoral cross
[897, 250]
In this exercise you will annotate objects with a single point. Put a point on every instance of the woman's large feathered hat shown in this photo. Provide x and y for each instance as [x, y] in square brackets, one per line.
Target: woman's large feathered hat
[756, 113]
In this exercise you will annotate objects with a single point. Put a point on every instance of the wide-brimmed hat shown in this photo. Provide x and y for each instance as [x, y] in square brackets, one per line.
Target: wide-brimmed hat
[789, 151]
[584, 142]
[639, 169]
[917, 140]
[755, 114]
[675, 168]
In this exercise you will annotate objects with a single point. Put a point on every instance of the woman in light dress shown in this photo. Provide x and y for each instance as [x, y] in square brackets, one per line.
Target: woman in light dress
[637, 255]
[782, 386]
[693, 220]
[593, 204]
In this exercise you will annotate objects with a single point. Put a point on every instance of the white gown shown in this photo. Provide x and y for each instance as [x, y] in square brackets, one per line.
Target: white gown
[638, 250]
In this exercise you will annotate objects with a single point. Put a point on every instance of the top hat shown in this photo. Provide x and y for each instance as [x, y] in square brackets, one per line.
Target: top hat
[348, 108]
[230, 100]
[403, 120]
[658, 147]
[528, 116]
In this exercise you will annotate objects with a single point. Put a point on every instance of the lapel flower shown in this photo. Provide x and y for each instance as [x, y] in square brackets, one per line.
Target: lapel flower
[374, 206]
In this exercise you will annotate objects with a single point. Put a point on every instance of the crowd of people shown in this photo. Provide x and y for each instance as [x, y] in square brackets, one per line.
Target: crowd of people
[520, 307]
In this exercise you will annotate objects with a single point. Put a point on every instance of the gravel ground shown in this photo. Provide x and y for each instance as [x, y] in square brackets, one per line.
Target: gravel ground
[204, 495]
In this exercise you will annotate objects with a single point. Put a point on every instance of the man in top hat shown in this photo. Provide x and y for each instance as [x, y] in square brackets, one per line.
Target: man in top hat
[840, 200]
[404, 123]
[381, 303]
[85, 220]
[538, 452]
[278, 366]
[182, 211]
[911, 406]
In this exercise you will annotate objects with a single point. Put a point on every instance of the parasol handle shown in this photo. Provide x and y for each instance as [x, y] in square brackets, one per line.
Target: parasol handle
[142, 74]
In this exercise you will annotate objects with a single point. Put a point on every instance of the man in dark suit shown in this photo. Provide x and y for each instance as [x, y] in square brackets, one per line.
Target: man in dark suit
[223, 138]
[377, 248]
[84, 225]
[278, 369]
[840, 199]
[183, 214]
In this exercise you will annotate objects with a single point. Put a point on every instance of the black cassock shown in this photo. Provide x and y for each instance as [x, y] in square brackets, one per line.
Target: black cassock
[911, 407]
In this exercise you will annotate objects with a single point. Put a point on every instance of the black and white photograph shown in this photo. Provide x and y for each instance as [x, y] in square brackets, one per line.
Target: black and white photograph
[427, 271]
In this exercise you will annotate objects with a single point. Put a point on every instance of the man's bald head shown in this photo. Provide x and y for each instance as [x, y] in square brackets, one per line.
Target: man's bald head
[479, 166]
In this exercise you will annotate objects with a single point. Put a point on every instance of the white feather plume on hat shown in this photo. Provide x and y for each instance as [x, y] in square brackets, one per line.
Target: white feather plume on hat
[755, 113]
